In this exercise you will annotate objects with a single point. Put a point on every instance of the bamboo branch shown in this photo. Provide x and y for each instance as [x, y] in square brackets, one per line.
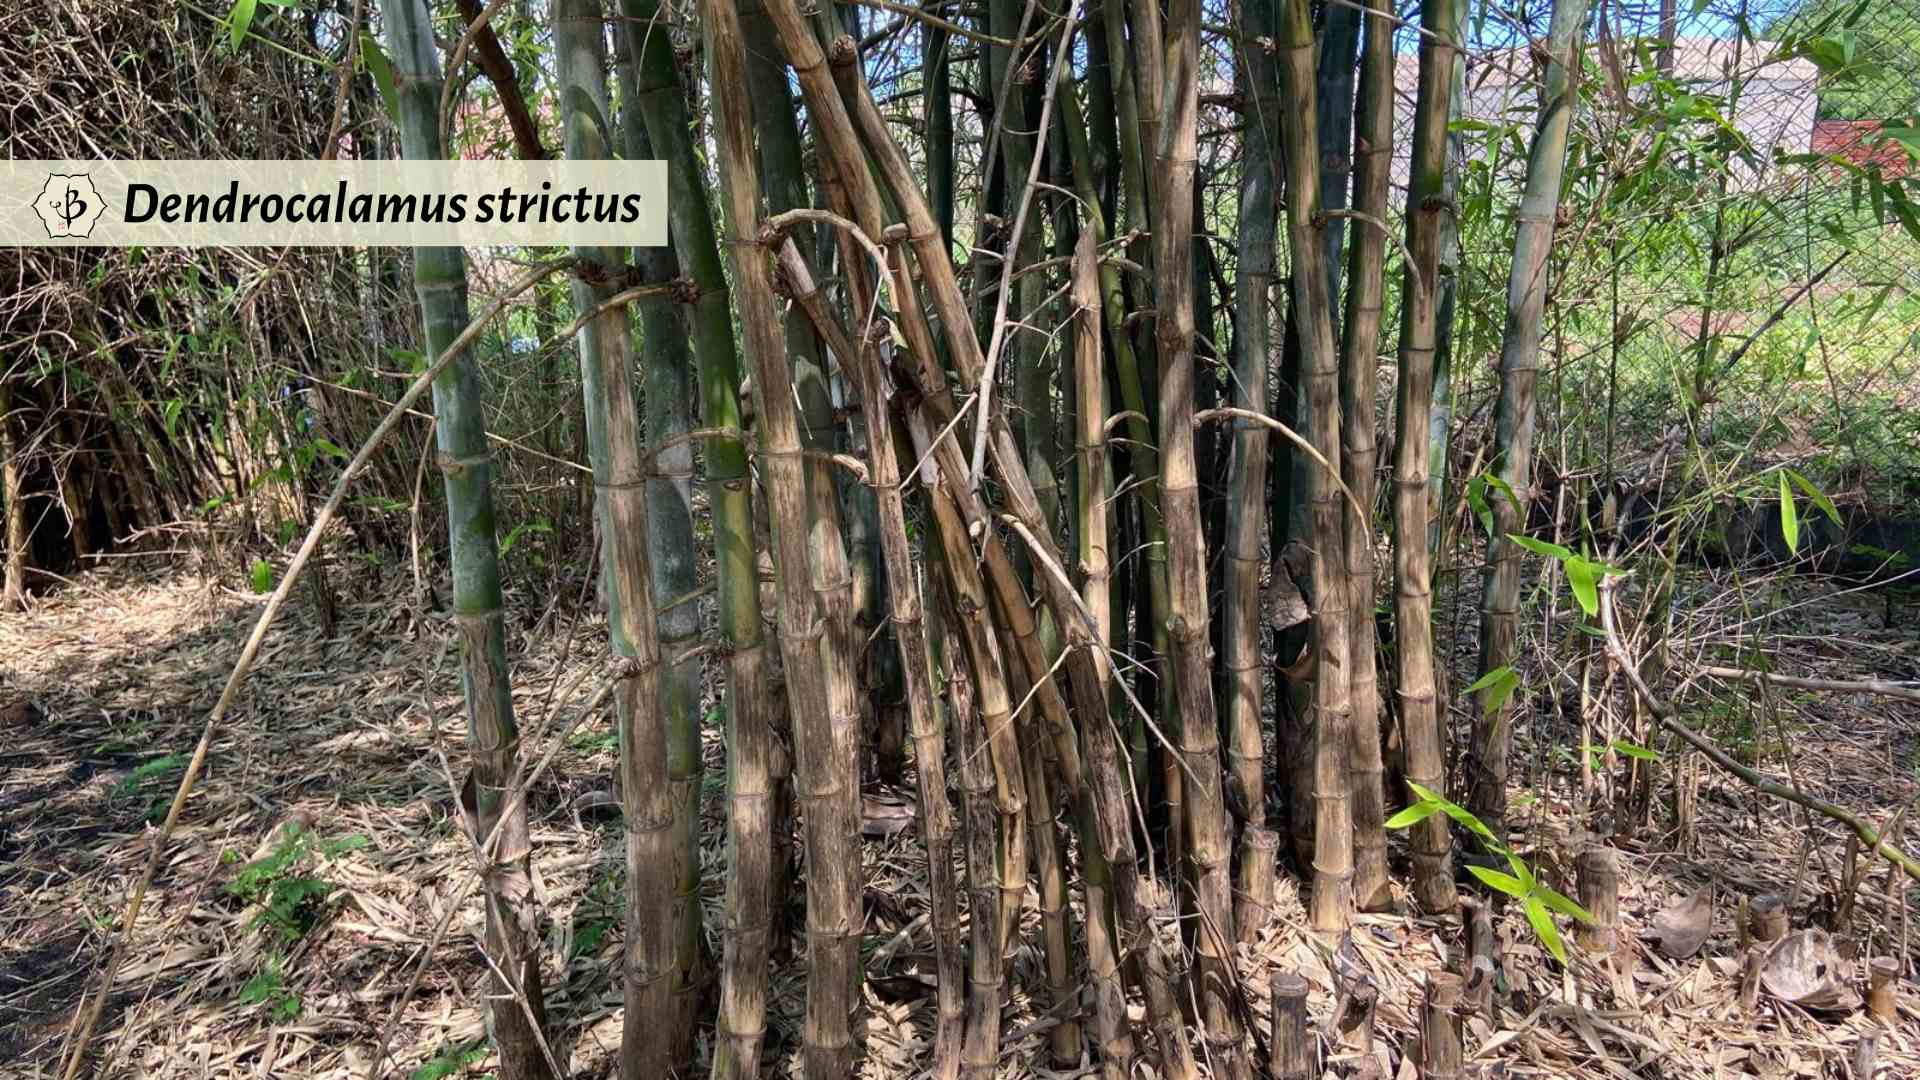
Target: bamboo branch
[1664, 713]
[1902, 691]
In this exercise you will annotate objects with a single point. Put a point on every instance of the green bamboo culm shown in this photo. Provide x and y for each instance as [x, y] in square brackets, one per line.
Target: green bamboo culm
[668, 397]
[748, 927]
[620, 503]
[1448, 317]
[515, 1013]
[937, 74]
[1513, 417]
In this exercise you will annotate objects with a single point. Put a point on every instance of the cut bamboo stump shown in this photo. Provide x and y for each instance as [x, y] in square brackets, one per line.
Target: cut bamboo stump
[1865, 1055]
[1292, 1049]
[1598, 872]
[1353, 1026]
[1481, 959]
[1259, 854]
[1883, 976]
[1441, 1052]
[1768, 913]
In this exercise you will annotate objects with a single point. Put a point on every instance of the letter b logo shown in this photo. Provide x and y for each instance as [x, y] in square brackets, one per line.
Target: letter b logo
[69, 206]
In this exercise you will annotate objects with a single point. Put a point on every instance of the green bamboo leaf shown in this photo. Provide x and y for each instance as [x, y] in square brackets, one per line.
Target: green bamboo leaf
[1820, 497]
[238, 20]
[262, 576]
[1494, 879]
[1424, 794]
[1413, 815]
[1488, 679]
[1585, 578]
[1563, 904]
[1498, 684]
[1543, 925]
[1477, 499]
[1631, 750]
[1457, 812]
[1466, 817]
[1541, 547]
[1789, 516]
[1521, 870]
[382, 71]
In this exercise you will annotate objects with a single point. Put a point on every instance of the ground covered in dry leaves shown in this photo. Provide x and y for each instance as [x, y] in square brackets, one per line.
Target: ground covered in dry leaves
[314, 864]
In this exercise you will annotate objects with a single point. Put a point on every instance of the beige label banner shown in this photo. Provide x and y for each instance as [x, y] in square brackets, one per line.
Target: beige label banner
[333, 203]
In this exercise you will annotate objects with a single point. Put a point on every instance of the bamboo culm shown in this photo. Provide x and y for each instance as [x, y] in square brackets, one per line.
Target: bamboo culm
[1514, 415]
[746, 935]
[1420, 714]
[1359, 448]
[515, 1002]
[810, 649]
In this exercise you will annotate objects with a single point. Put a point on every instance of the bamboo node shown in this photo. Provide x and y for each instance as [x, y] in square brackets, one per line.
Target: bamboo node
[454, 466]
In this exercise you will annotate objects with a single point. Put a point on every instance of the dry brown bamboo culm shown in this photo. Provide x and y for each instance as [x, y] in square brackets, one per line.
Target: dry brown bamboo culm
[1332, 903]
[1440, 1050]
[833, 917]
[1360, 452]
[1112, 1030]
[841, 149]
[1242, 633]
[1050, 874]
[1599, 886]
[1420, 716]
[980, 1049]
[1292, 1045]
[1206, 826]
[910, 630]
[935, 268]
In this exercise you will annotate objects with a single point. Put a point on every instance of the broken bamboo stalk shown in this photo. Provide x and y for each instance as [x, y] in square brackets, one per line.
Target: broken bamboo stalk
[1599, 884]
[1440, 1047]
[1767, 917]
[1480, 959]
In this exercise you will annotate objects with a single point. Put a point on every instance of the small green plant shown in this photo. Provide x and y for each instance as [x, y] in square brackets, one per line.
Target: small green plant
[594, 742]
[1537, 899]
[291, 902]
[268, 988]
[149, 771]
[588, 933]
[450, 1062]
[147, 780]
